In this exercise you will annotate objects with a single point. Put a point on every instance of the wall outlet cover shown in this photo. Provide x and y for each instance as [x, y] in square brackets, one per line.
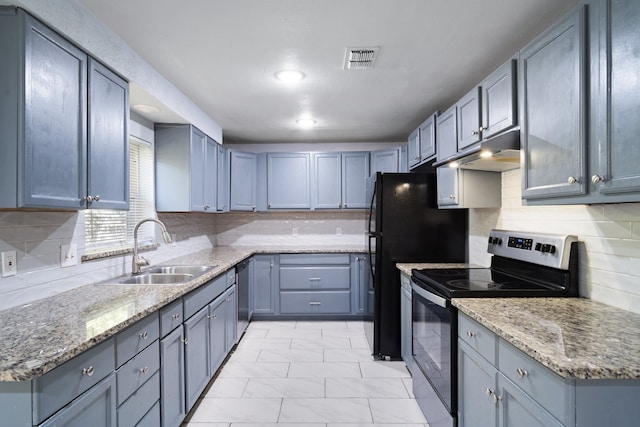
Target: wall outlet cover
[9, 263]
[68, 255]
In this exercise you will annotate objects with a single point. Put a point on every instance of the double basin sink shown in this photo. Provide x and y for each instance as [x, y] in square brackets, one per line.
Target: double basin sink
[163, 275]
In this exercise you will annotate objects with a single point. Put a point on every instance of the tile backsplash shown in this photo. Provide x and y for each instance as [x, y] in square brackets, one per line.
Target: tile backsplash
[609, 235]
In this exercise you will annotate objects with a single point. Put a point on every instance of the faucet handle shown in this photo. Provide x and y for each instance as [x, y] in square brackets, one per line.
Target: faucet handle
[142, 261]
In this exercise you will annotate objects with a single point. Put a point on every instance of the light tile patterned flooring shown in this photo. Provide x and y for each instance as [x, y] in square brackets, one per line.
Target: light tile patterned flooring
[308, 374]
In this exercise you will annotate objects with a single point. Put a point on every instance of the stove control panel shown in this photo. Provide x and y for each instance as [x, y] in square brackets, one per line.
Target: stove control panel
[551, 250]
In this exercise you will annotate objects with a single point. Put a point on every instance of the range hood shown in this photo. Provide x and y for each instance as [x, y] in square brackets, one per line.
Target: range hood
[498, 154]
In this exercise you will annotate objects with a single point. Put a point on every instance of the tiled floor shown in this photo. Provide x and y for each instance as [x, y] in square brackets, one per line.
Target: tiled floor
[308, 374]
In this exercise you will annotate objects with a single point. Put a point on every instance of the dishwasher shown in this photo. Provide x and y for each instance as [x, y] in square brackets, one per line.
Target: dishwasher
[242, 283]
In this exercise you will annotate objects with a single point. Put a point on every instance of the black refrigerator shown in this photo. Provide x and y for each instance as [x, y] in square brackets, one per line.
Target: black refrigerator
[404, 226]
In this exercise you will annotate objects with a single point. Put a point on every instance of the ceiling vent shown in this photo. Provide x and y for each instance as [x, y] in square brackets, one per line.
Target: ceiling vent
[360, 58]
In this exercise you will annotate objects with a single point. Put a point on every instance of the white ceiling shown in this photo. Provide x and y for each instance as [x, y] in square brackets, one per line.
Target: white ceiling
[223, 55]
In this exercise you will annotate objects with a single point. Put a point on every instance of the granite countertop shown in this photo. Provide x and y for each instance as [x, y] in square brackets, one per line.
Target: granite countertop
[39, 336]
[577, 338]
[407, 267]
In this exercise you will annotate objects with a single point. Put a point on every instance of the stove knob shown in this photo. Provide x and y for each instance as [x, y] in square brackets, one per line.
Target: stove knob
[490, 240]
[552, 249]
[497, 241]
[538, 247]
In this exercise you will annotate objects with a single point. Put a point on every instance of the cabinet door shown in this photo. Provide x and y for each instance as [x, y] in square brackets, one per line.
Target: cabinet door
[196, 354]
[617, 126]
[447, 131]
[414, 148]
[288, 181]
[469, 119]
[428, 139]
[172, 380]
[499, 100]
[477, 389]
[518, 409]
[553, 129]
[327, 180]
[264, 288]
[243, 175]
[222, 180]
[96, 407]
[360, 279]
[404, 158]
[210, 175]
[355, 172]
[54, 171]
[406, 334]
[217, 341]
[447, 186]
[385, 160]
[198, 169]
[108, 165]
[231, 320]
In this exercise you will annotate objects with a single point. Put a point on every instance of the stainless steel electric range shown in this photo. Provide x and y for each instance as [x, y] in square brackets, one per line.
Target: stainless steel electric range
[522, 265]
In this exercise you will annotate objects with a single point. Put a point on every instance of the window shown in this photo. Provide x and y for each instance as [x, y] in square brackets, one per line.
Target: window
[109, 229]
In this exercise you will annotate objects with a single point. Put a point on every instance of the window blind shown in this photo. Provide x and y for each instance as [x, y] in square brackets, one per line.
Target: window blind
[110, 229]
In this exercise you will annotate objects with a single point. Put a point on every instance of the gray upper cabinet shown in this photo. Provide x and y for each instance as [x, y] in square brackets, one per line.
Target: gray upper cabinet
[414, 148]
[288, 181]
[428, 139]
[222, 180]
[46, 159]
[355, 171]
[447, 131]
[243, 180]
[500, 100]
[553, 124]
[327, 173]
[469, 116]
[404, 158]
[185, 169]
[385, 160]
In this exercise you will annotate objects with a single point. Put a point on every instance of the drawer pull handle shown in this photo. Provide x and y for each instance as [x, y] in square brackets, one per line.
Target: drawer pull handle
[314, 279]
[176, 316]
[144, 370]
[144, 335]
[315, 303]
[88, 371]
[522, 373]
[471, 334]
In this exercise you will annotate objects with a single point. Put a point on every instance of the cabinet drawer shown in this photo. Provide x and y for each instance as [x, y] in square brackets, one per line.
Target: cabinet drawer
[136, 407]
[315, 277]
[231, 277]
[478, 337]
[136, 338]
[314, 259]
[171, 317]
[202, 296]
[326, 302]
[137, 371]
[546, 388]
[60, 386]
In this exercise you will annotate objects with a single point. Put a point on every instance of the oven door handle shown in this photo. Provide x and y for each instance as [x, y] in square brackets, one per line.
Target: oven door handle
[436, 299]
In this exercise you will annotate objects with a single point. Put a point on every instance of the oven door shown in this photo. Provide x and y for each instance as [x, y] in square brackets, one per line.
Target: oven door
[435, 354]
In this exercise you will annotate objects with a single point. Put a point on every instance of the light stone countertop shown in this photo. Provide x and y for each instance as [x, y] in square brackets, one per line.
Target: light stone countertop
[407, 267]
[37, 337]
[577, 338]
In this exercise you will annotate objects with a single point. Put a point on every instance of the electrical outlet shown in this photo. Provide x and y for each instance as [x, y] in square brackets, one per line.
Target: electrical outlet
[68, 255]
[338, 231]
[9, 264]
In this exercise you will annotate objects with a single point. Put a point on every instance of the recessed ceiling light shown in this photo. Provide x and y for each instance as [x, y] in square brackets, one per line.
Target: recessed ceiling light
[144, 108]
[305, 123]
[289, 75]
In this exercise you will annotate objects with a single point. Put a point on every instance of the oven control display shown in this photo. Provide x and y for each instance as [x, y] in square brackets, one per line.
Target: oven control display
[520, 243]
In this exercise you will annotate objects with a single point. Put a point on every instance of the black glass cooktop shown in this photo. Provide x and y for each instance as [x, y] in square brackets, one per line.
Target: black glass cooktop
[479, 282]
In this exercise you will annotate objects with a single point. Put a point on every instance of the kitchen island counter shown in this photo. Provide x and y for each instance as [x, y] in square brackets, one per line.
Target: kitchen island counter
[576, 338]
[41, 335]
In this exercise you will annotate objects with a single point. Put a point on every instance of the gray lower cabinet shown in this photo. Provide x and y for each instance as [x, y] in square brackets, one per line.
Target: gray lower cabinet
[196, 355]
[360, 277]
[172, 375]
[406, 321]
[217, 330]
[264, 285]
[243, 175]
[231, 318]
[288, 181]
[58, 139]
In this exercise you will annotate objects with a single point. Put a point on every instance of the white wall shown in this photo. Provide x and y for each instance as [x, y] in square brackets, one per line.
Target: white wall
[610, 236]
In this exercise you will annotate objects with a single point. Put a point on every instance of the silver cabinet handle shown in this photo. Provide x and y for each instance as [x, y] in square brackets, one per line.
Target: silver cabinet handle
[176, 316]
[471, 334]
[144, 335]
[345, 205]
[496, 398]
[215, 316]
[316, 279]
[597, 178]
[522, 373]
[573, 180]
[475, 132]
[88, 371]
[482, 128]
[253, 208]
[185, 341]
[488, 392]
[96, 198]
[269, 205]
[89, 198]
[452, 197]
[206, 207]
[315, 303]
[144, 370]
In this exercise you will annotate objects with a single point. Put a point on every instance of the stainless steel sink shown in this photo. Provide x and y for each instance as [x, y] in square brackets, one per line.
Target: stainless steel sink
[163, 275]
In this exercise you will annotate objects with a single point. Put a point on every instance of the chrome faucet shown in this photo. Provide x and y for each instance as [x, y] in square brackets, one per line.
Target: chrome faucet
[139, 261]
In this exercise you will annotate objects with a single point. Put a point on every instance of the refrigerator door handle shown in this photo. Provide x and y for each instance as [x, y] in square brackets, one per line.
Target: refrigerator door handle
[371, 262]
[373, 198]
